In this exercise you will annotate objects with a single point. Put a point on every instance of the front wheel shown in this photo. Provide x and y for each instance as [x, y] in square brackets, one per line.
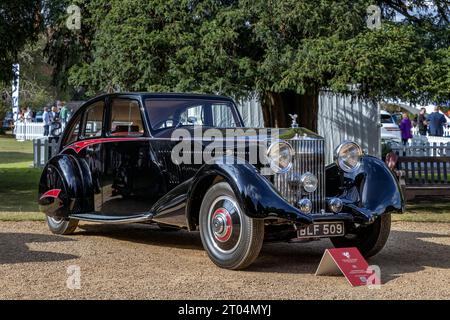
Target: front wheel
[61, 226]
[231, 239]
[369, 240]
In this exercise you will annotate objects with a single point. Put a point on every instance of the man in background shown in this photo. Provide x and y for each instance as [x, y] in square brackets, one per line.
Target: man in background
[436, 121]
[63, 114]
[422, 122]
[47, 121]
[55, 121]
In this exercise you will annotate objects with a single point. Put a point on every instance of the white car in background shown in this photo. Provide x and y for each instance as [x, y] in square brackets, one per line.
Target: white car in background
[389, 128]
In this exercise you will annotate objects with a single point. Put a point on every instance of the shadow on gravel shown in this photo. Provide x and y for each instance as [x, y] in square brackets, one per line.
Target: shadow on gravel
[145, 234]
[409, 252]
[14, 248]
[405, 252]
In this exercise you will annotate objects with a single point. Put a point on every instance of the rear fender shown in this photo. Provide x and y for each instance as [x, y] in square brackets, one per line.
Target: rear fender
[65, 187]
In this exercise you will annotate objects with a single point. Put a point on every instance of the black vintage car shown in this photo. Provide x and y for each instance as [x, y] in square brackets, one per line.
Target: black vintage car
[121, 160]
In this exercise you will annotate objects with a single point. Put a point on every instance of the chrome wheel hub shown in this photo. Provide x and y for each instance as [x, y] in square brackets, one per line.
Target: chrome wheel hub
[224, 219]
[222, 225]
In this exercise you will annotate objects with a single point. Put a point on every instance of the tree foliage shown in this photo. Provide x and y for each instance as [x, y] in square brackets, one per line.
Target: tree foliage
[35, 88]
[273, 47]
[20, 22]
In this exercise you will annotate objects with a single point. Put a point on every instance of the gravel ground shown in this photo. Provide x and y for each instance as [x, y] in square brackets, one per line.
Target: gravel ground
[143, 262]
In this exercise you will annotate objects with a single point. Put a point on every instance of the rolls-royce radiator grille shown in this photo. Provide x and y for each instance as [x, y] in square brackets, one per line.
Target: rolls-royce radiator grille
[309, 157]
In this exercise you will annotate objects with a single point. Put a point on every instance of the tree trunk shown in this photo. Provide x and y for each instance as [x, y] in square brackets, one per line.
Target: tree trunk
[276, 108]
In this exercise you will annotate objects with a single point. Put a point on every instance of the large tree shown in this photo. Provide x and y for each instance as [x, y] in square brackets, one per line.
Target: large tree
[20, 22]
[36, 88]
[286, 50]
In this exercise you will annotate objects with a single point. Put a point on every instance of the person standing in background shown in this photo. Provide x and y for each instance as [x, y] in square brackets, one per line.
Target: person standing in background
[21, 116]
[405, 128]
[29, 115]
[422, 122]
[63, 113]
[47, 121]
[436, 122]
[54, 114]
[55, 121]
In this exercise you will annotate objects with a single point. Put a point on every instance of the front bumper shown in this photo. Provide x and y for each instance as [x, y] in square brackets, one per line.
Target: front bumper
[332, 217]
[351, 213]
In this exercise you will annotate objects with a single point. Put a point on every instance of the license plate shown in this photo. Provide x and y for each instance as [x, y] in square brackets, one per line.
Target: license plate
[321, 230]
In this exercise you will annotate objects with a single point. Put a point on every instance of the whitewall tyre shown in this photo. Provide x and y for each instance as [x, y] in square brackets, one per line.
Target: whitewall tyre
[61, 225]
[231, 239]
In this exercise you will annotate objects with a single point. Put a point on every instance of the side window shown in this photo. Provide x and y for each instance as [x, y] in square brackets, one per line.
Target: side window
[126, 118]
[93, 120]
[73, 131]
[192, 116]
[223, 116]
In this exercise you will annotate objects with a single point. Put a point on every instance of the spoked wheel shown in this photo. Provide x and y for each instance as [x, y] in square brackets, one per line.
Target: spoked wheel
[231, 239]
[369, 240]
[61, 225]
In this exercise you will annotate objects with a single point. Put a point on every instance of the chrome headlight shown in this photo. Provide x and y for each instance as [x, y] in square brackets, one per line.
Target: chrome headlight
[348, 156]
[279, 155]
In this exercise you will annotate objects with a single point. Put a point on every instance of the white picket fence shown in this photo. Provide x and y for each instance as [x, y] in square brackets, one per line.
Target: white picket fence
[415, 131]
[30, 130]
[423, 148]
[43, 150]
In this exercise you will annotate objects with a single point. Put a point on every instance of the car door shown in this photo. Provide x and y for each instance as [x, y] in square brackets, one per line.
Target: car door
[91, 134]
[128, 185]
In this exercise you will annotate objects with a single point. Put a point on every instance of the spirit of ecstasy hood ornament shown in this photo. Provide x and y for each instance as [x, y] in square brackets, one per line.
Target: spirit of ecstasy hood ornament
[294, 123]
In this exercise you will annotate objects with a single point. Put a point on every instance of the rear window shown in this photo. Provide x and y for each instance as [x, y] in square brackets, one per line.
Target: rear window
[386, 118]
[126, 118]
[73, 130]
[93, 120]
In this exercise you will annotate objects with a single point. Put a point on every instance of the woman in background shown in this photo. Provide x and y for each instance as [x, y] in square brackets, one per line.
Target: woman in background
[405, 128]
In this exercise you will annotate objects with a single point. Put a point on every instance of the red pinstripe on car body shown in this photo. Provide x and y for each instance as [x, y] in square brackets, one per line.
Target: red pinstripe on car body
[80, 145]
[52, 193]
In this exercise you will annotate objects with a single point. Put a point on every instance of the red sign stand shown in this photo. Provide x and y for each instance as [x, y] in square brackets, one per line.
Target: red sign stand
[350, 263]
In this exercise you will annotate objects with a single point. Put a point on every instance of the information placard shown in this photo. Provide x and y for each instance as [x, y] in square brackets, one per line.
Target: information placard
[350, 263]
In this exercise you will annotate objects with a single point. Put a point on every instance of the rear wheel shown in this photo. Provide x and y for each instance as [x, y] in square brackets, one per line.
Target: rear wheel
[61, 225]
[369, 240]
[231, 239]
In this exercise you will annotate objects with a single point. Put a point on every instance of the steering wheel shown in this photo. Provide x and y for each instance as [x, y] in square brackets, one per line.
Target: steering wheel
[169, 123]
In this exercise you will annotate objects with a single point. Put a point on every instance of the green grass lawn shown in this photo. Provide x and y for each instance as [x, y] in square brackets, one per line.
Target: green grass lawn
[18, 180]
[426, 211]
[19, 185]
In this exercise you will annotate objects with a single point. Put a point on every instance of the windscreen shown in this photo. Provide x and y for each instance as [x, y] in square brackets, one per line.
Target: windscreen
[175, 113]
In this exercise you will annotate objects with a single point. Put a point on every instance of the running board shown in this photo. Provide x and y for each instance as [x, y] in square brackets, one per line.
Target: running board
[93, 217]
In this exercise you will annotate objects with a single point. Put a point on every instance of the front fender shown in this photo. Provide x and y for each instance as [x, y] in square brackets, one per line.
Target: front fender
[371, 190]
[256, 195]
